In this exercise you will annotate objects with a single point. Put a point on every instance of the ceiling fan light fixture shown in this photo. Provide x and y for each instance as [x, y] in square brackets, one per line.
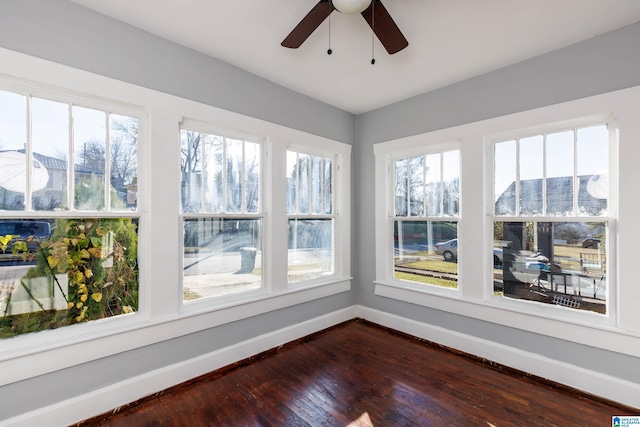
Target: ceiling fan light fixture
[351, 6]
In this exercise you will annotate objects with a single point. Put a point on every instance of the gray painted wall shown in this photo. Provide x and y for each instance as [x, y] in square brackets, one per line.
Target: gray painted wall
[66, 33]
[602, 64]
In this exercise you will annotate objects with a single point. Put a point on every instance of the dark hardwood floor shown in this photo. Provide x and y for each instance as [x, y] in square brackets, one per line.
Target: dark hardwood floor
[358, 374]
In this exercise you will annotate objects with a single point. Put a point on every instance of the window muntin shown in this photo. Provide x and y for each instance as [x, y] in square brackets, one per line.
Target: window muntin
[58, 131]
[426, 200]
[556, 174]
[538, 179]
[80, 262]
[311, 219]
[222, 223]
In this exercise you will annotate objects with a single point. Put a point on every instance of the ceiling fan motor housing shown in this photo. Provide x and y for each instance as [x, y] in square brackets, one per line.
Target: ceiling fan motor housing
[351, 6]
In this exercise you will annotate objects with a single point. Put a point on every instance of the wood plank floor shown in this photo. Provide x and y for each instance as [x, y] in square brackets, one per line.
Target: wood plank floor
[358, 374]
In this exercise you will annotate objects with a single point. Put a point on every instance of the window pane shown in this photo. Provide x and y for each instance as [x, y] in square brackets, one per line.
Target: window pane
[433, 184]
[451, 182]
[252, 177]
[303, 167]
[221, 257]
[13, 137]
[505, 178]
[402, 187]
[559, 180]
[327, 186]
[234, 175]
[191, 168]
[89, 135]
[213, 173]
[592, 154]
[309, 184]
[316, 196]
[426, 252]
[531, 167]
[561, 263]
[292, 182]
[416, 189]
[310, 249]
[44, 286]
[123, 145]
[50, 149]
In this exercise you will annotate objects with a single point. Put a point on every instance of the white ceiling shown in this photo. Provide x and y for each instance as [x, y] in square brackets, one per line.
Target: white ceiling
[449, 40]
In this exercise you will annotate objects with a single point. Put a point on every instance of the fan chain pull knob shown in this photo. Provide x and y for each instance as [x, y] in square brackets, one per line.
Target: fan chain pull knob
[329, 52]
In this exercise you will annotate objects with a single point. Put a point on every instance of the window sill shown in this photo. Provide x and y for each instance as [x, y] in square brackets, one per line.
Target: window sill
[551, 321]
[37, 354]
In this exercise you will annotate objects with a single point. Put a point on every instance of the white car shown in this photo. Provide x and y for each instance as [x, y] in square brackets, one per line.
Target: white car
[449, 251]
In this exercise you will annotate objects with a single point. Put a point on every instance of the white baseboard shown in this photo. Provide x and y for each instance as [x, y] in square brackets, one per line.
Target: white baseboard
[598, 384]
[106, 399]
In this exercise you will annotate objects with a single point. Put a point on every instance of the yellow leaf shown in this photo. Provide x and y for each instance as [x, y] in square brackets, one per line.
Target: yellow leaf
[79, 304]
[97, 296]
[88, 273]
[96, 252]
[83, 298]
[84, 254]
[71, 305]
[78, 277]
[52, 261]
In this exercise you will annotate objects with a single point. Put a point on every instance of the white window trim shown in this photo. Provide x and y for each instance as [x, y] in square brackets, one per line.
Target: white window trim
[619, 330]
[388, 154]
[160, 317]
[341, 244]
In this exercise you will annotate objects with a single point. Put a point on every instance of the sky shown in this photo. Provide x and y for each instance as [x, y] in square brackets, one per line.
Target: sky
[585, 150]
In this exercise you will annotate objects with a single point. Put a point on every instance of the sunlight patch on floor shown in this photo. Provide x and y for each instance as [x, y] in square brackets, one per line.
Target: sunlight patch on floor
[363, 421]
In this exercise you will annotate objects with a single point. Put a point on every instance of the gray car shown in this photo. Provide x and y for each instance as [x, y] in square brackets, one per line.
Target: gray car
[449, 251]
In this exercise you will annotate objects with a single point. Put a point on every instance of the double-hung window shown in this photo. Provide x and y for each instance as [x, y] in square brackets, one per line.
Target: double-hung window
[311, 216]
[68, 210]
[426, 204]
[222, 213]
[552, 216]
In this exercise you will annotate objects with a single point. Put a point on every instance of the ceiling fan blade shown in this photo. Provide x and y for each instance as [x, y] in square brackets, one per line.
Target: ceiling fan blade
[309, 23]
[384, 27]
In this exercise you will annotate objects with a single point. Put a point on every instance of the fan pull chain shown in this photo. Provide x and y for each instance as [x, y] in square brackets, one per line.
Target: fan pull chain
[373, 31]
[329, 51]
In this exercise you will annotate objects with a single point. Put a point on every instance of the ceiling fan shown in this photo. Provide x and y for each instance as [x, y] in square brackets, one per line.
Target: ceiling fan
[373, 11]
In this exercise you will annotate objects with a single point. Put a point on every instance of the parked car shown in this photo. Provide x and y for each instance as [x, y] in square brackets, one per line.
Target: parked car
[449, 251]
[31, 232]
[591, 242]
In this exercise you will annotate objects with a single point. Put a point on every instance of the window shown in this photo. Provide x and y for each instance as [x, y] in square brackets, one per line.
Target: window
[551, 193]
[117, 244]
[222, 219]
[425, 224]
[68, 201]
[310, 216]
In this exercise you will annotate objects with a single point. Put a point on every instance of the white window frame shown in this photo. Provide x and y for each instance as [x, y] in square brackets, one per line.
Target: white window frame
[610, 218]
[614, 331]
[206, 128]
[340, 246]
[388, 155]
[161, 315]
